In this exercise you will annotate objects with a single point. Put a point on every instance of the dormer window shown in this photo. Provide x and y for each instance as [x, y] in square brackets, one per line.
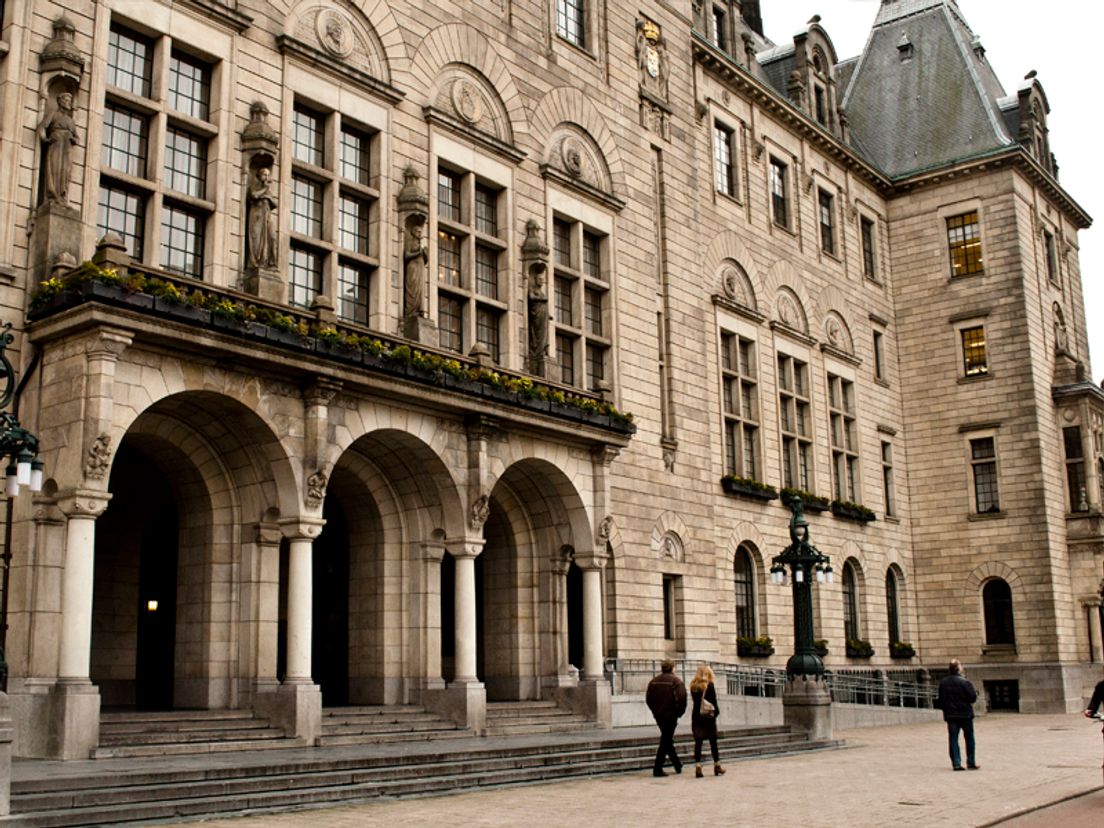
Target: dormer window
[819, 108]
[717, 27]
[904, 48]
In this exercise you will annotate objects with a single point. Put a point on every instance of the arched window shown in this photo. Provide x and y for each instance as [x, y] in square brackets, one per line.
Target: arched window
[996, 598]
[743, 580]
[892, 616]
[850, 603]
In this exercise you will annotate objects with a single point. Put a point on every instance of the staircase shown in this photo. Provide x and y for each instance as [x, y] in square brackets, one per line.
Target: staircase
[197, 787]
[383, 723]
[176, 732]
[515, 718]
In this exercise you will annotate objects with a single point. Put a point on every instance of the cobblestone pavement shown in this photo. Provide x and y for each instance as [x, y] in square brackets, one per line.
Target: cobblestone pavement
[885, 776]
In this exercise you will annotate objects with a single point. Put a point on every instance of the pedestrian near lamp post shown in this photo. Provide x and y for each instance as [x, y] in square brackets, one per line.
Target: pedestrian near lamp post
[956, 700]
[666, 698]
[704, 717]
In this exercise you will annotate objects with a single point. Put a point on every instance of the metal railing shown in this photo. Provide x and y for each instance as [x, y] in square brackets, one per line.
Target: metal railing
[885, 688]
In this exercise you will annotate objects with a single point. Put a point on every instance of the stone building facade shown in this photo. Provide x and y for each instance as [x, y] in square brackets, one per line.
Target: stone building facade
[338, 412]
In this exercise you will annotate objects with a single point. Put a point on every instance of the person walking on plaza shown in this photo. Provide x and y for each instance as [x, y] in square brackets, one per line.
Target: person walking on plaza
[703, 719]
[666, 698]
[956, 700]
[1096, 701]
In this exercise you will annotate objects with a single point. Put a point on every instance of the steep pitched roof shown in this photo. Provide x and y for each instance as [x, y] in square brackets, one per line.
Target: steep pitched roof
[922, 93]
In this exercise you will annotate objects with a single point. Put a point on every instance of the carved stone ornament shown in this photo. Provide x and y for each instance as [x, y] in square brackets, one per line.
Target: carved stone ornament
[671, 547]
[316, 489]
[335, 33]
[834, 332]
[651, 58]
[605, 529]
[732, 282]
[787, 313]
[670, 454]
[58, 134]
[61, 54]
[99, 457]
[467, 101]
[480, 511]
[757, 149]
[571, 153]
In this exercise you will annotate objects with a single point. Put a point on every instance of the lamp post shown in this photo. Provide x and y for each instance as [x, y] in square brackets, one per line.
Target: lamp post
[24, 468]
[806, 705]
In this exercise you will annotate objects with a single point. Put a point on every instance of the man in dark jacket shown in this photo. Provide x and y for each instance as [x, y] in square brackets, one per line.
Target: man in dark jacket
[666, 699]
[1096, 701]
[956, 700]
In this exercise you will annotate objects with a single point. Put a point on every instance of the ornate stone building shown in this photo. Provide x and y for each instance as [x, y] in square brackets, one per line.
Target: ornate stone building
[337, 413]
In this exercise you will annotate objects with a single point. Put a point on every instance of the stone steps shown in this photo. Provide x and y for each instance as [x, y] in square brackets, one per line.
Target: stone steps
[181, 732]
[517, 718]
[259, 785]
[383, 723]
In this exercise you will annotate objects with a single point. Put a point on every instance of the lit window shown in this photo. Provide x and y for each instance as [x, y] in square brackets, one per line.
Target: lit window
[964, 242]
[975, 360]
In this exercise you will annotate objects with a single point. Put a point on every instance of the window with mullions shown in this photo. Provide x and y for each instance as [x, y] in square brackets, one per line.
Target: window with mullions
[893, 612]
[334, 212]
[851, 629]
[983, 465]
[964, 244]
[975, 360]
[1075, 468]
[571, 21]
[794, 422]
[887, 479]
[827, 213]
[780, 207]
[820, 109]
[162, 214]
[581, 295]
[724, 174]
[741, 411]
[744, 583]
[470, 250]
[879, 356]
[716, 22]
[843, 438]
[866, 231]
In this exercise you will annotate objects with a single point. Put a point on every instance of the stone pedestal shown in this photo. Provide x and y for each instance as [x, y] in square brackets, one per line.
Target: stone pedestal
[807, 706]
[421, 329]
[57, 229]
[295, 707]
[74, 720]
[264, 282]
[5, 755]
[464, 702]
[590, 698]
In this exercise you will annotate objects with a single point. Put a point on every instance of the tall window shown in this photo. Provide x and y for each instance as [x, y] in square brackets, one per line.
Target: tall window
[1075, 468]
[744, 580]
[571, 21]
[670, 622]
[334, 211]
[723, 170]
[996, 599]
[827, 221]
[866, 231]
[964, 243]
[887, 479]
[879, 356]
[844, 440]
[741, 409]
[161, 211]
[975, 359]
[471, 305]
[1051, 257]
[820, 110]
[716, 21]
[795, 423]
[780, 208]
[983, 465]
[580, 287]
[850, 603]
[892, 608]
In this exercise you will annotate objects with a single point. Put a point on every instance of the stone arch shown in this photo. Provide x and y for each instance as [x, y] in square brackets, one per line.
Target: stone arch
[570, 106]
[833, 305]
[727, 249]
[362, 34]
[788, 295]
[572, 151]
[904, 605]
[464, 48]
[993, 569]
[670, 527]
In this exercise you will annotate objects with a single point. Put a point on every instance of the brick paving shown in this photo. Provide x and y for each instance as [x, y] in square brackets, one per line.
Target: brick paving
[897, 775]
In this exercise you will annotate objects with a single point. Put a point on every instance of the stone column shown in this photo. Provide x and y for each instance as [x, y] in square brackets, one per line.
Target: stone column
[260, 597]
[6, 731]
[426, 608]
[75, 723]
[465, 623]
[1096, 643]
[300, 585]
[592, 623]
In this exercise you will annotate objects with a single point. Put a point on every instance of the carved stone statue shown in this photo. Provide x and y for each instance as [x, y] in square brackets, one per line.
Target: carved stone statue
[534, 255]
[415, 260]
[58, 132]
[262, 220]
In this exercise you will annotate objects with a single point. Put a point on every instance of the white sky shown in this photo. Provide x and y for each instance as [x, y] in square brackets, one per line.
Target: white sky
[1059, 39]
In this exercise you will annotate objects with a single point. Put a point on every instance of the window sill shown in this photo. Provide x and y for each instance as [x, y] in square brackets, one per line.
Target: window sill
[987, 516]
[954, 277]
[998, 650]
[977, 378]
[891, 519]
[881, 382]
[720, 195]
[578, 47]
[831, 256]
[784, 228]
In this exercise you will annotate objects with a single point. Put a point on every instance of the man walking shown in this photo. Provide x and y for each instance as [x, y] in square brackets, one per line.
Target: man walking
[956, 700]
[666, 699]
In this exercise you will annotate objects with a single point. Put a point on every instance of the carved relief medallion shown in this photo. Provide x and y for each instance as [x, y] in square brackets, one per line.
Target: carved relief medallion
[571, 153]
[467, 101]
[335, 33]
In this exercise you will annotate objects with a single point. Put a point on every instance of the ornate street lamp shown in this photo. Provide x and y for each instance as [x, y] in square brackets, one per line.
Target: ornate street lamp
[24, 468]
[806, 704]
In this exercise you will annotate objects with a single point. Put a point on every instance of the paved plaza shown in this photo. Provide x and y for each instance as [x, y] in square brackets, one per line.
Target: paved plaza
[885, 776]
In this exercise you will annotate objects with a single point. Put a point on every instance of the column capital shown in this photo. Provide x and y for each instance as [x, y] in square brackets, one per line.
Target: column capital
[268, 533]
[108, 343]
[481, 427]
[301, 528]
[433, 550]
[464, 547]
[605, 454]
[1091, 601]
[88, 503]
[321, 391]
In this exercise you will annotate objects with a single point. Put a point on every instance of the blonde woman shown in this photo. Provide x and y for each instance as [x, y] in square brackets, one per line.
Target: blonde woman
[704, 718]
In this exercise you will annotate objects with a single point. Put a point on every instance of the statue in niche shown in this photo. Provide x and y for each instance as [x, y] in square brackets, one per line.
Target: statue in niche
[58, 131]
[538, 313]
[651, 57]
[262, 219]
[1061, 333]
[415, 260]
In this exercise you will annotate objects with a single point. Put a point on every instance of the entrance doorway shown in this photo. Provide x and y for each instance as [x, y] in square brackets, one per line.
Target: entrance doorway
[330, 627]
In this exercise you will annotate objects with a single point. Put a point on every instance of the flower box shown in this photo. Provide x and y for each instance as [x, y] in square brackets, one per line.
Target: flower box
[901, 650]
[184, 311]
[338, 350]
[292, 339]
[760, 647]
[742, 487]
[809, 501]
[852, 511]
[498, 393]
[115, 294]
[230, 324]
[859, 648]
[534, 403]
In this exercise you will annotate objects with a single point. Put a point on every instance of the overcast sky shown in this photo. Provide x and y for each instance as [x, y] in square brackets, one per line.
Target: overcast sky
[1058, 39]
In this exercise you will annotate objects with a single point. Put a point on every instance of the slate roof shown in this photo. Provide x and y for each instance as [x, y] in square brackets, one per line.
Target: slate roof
[937, 106]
